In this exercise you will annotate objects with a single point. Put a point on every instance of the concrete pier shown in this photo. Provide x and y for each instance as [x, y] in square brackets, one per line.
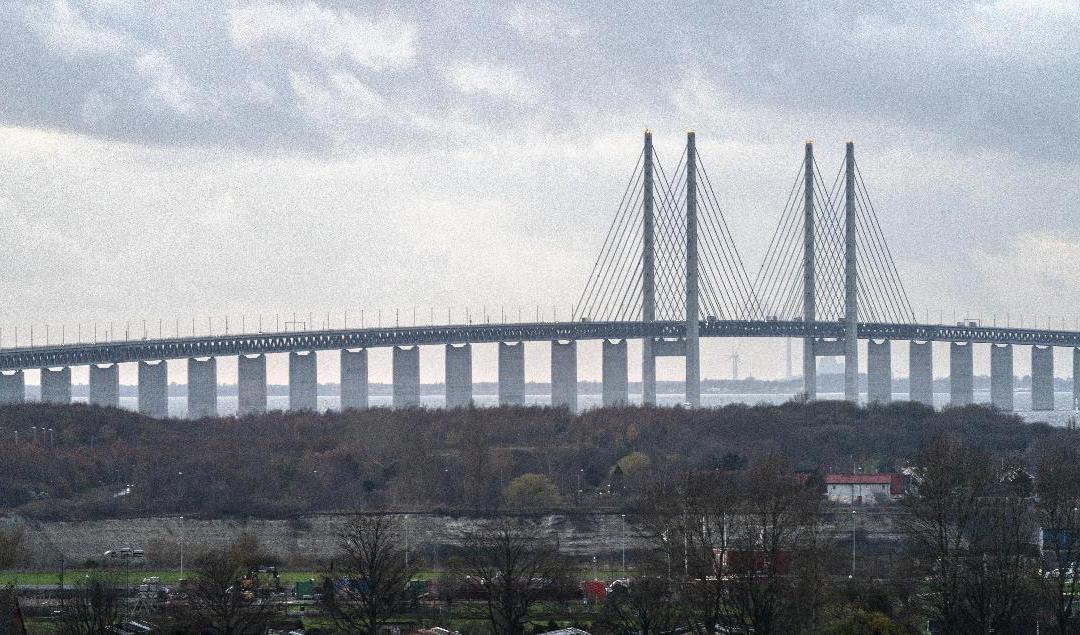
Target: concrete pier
[202, 388]
[56, 385]
[250, 384]
[511, 374]
[459, 376]
[354, 379]
[879, 371]
[1001, 376]
[1076, 378]
[961, 374]
[154, 389]
[921, 372]
[616, 388]
[564, 374]
[303, 381]
[406, 363]
[12, 387]
[1042, 377]
[105, 385]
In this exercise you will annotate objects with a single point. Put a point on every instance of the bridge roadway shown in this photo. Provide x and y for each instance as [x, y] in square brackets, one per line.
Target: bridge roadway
[667, 338]
[59, 355]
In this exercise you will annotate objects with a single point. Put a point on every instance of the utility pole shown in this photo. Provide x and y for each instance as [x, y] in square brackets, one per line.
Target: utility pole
[693, 359]
[809, 309]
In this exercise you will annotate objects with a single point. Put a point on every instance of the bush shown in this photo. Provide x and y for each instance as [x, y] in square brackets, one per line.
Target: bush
[531, 492]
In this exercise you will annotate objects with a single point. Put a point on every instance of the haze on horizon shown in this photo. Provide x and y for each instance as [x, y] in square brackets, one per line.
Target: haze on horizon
[272, 157]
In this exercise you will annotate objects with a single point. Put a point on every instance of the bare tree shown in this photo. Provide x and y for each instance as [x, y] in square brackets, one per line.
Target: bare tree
[972, 532]
[223, 597]
[772, 540]
[12, 546]
[1058, 510]
[512, 565]
[687, 519]
[374, 573]
[93, 606]
[646, 606]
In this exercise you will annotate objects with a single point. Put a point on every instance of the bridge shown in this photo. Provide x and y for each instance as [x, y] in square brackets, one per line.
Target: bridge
[669, 273]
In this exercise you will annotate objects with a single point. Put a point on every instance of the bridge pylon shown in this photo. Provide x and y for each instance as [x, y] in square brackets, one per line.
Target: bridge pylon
[669, 257]
[847, 271]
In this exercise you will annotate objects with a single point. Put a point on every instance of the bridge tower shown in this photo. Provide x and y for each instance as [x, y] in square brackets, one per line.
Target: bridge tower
[669, 260]
[809, 302]
[648, 275]
[693, 359]
[851, 298]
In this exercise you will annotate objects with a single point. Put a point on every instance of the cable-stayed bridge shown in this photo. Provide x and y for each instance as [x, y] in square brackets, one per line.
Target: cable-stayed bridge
[669, 273]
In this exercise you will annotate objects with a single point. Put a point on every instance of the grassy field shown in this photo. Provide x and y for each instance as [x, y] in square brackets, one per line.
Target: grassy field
[170, 577]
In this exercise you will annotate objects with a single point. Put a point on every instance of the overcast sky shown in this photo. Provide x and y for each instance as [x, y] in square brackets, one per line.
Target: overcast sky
[165, 160]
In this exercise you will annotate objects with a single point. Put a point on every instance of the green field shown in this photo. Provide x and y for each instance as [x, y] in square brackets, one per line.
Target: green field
[171, 576]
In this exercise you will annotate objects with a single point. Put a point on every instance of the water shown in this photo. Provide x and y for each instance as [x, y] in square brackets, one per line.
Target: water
[1022, 401]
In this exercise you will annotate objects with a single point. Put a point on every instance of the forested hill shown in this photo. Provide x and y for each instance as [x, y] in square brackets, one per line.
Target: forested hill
[103, 462]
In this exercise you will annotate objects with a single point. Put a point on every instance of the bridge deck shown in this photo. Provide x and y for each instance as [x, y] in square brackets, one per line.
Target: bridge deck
[255, 343]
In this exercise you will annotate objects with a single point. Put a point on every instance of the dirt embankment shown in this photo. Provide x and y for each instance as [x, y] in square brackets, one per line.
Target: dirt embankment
[300, 540]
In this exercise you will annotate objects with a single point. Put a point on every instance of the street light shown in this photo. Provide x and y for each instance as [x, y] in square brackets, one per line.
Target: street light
[181, 535]
[623, 516]
[852, 575]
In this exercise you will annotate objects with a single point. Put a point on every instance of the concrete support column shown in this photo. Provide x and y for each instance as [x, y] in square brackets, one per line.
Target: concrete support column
[648, 275]
[809, 359]
[154, 389]
[616, 387]
[303, 381]
[459, 375]
[1001, 376]
[511, 374]
[693, 350]
[961, 374]
[1076, 378]
[1042, 377]
[250, 384]
[105, 385]
[879, 371]
[354, 379]
[201, 388]
[56, 385]
[921, 372]
[406, 363]
[851, 295]
[12, 387]
[564, 374]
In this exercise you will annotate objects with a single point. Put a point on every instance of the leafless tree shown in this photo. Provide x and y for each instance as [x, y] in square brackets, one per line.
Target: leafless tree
[972, 531]
[739, 547]
[645, 605]
[374, 572]
[512, 564]
[1057, 508]
[93, 606]
[687, 518]
[772, 540]
[12, 546]
[222, 599]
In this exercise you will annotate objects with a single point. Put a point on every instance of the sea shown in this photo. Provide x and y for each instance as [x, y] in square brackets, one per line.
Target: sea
[227, 404]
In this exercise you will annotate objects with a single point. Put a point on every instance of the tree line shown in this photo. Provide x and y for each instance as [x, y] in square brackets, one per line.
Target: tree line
[104, 462]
